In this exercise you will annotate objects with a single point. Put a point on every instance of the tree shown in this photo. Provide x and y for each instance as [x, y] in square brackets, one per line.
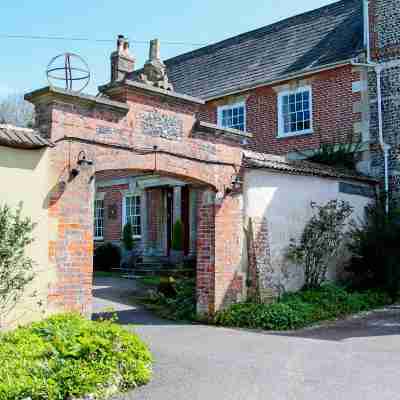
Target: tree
[16, 268]
[320, 241]
[15, 110]
[375, 249]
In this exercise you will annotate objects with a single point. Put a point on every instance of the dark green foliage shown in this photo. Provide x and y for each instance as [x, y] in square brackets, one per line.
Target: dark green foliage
[177, 236]
[127, 237]
[301, 309]
[339, 155]
[320, 241]
[181, 307]
[166, 287]
[106, 257]
[68, 356]
[375, 247]
[16, 269]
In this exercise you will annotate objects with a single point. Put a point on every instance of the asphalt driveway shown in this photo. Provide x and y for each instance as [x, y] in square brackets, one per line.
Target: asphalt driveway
[353, 359]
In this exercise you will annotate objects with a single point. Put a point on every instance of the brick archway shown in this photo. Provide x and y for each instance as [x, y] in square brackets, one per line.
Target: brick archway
[115, 135]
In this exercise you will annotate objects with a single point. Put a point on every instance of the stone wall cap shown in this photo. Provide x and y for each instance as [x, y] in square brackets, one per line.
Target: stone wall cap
[149, 89]
[213, 128]
[22, 138]
[94, 100]
[254, 160]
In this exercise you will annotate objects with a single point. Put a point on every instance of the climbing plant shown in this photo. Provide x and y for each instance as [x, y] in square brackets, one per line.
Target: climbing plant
[320, 241]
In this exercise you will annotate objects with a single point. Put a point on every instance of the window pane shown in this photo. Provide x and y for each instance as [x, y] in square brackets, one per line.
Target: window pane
[292, 99]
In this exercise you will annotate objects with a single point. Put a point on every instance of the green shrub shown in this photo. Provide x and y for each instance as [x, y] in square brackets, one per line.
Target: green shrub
[180, 307]
[106, 257]
[69, 356]
[127, 237]
[339, 155]
[177, 236]
[376, 250]
[16, 268]
[297, 310]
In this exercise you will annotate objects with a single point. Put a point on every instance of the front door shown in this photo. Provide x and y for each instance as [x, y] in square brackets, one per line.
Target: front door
[185, 209]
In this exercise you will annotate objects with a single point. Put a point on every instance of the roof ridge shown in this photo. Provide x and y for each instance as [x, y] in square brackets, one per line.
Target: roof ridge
[266, 28]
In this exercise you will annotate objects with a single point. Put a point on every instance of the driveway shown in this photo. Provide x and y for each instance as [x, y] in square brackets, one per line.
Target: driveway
[354, 359]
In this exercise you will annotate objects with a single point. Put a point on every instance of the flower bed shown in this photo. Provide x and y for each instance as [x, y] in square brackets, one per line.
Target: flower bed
[304, 308]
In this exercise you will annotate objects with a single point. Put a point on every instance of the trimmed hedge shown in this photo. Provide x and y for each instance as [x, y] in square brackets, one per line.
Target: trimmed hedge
[67, 356]
[297, 310]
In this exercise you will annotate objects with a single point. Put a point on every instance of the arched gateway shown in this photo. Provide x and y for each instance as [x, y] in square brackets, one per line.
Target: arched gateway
[137, 130]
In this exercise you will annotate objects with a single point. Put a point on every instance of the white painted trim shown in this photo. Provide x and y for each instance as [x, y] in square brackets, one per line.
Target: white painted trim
[99, 196]
[126, 194]
[281, 132]
[220, 109]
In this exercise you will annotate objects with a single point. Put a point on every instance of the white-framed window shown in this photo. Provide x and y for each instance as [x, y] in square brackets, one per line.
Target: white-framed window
[98, 219]
[295, 112]
[133, 213]
[232, 116]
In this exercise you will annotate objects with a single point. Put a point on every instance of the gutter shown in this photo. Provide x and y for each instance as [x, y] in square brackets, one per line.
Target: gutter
[284, 78]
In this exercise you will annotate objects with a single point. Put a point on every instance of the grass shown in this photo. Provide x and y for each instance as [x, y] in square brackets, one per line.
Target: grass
[68, 356]
[107, 274]
[150, 280]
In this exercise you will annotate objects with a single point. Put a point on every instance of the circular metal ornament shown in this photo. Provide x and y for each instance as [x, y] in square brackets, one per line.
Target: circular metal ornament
[70, 69]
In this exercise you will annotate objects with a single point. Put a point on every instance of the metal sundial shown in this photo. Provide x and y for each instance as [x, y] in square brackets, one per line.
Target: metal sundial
[70, 69]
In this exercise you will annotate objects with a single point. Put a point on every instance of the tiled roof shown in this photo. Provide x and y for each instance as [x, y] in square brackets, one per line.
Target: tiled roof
[24, 138]
[252, 159]
[324, 36]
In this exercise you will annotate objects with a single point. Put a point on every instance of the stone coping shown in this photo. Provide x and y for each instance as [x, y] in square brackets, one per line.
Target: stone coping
[80, 97]
[213, 128]
[149, 89]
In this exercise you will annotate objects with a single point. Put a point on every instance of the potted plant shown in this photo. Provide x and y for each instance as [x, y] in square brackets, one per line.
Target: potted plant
[128, 259]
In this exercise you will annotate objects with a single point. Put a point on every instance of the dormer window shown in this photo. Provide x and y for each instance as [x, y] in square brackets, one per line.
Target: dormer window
[232, 116]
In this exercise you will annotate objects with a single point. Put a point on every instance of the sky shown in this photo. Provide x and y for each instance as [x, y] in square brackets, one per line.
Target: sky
[23, 62]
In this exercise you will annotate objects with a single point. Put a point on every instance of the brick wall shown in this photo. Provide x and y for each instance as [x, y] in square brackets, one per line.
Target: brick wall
[333, 116]
[203, 159]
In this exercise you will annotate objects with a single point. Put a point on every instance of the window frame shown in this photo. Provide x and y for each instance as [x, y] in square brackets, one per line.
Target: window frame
[125, 215]
[281, 122]
[231, 106]
[95, 219]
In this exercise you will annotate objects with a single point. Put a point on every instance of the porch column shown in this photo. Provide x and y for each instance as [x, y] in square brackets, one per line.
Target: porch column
[177, 215]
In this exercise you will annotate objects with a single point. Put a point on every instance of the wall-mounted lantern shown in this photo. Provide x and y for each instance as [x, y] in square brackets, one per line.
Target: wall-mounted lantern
[82, 161]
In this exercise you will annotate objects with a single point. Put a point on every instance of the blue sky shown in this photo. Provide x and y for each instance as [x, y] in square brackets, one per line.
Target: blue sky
[23, 62]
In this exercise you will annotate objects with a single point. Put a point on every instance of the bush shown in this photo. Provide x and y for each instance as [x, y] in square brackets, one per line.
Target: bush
[376, 250]
[181, 306]
[16, 269]
[339, 155]
[106, 256]
[127, 237]
[301, 309]
[320, 241]
[177, 236]
[68, 356]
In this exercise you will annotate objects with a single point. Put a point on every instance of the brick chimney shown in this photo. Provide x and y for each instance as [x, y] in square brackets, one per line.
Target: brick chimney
[122, 61]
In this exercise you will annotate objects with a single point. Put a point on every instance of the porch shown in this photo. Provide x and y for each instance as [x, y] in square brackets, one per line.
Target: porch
[153, 204]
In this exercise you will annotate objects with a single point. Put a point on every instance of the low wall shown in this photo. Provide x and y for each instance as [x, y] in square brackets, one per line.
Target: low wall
[278, 207]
